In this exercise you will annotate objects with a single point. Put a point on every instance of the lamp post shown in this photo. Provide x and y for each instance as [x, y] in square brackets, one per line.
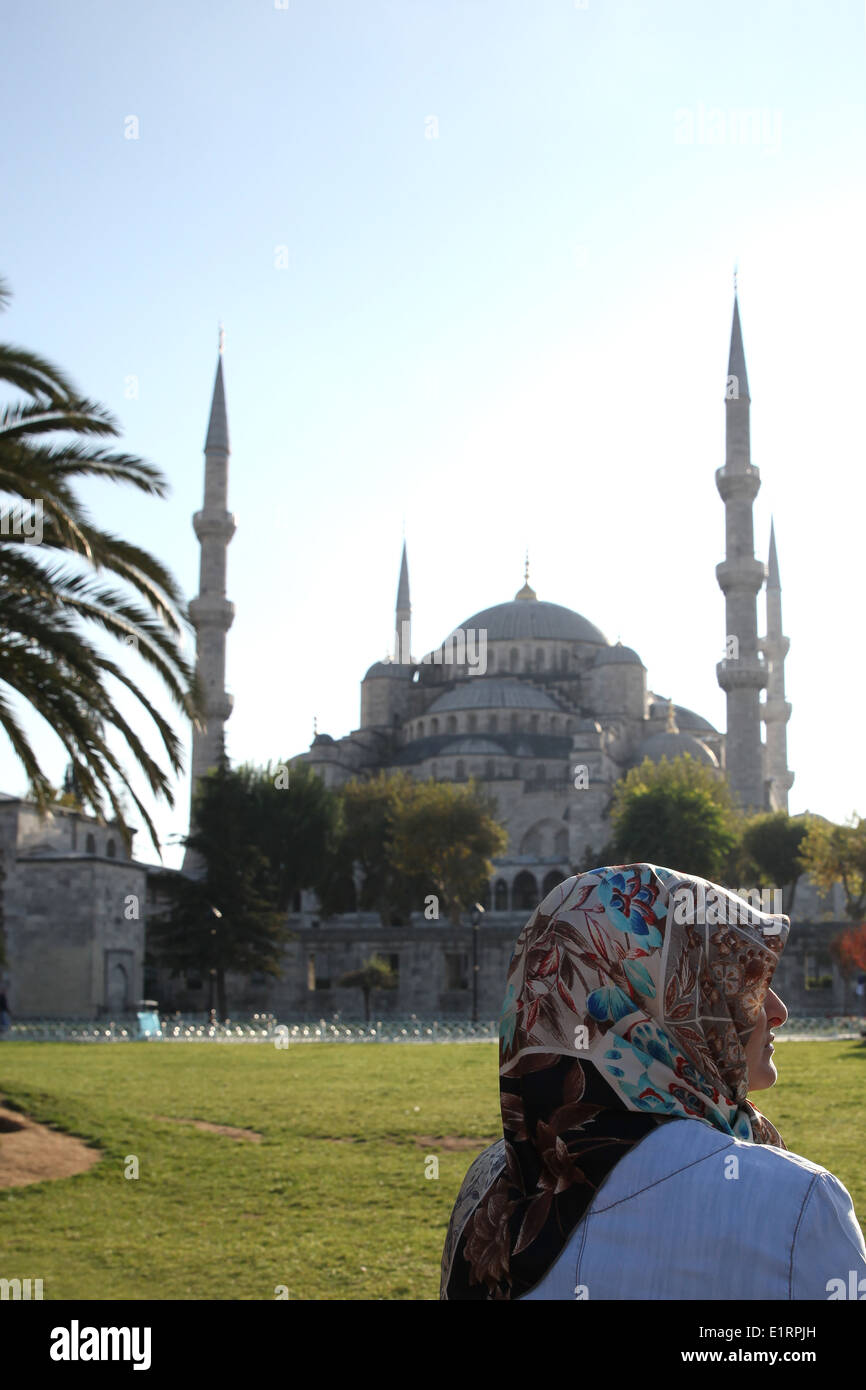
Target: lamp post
[475, 918]
[358, 880]
[215, 912]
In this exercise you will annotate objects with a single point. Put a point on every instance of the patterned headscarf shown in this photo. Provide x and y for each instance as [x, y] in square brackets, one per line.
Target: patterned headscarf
[631, 997]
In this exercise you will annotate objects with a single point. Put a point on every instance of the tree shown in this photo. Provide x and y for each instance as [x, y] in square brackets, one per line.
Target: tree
[229, 918]
[444, 840]
[676, 814]
[364, 835]
[833, 854]
[849, 950]
[49, 610]
[293, 820]
[375, 973]
[771, 845]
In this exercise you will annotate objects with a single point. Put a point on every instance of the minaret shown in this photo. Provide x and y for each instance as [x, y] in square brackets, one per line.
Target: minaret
[742, 674]
[403, 622]
[776, 710]
[211, 613]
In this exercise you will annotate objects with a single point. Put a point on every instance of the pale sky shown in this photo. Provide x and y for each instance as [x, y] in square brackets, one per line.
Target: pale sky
[474, 262]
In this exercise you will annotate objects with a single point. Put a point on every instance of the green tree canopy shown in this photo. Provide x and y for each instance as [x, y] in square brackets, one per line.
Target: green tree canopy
[770, 846]
[837, 854]
[678, 814]
[444, 841]
[375, 973]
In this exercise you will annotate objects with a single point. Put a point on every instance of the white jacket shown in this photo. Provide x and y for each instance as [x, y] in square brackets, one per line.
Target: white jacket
[691, 1213]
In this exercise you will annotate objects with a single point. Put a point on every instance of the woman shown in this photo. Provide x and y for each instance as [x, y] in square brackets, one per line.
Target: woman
[638, 1014]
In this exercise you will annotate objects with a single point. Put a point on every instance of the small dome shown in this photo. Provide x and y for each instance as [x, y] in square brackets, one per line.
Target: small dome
[670, 746]
[686, 719]
[480, 692]
[618, 655]
[471, 744]
[322, 738]
[396, 669]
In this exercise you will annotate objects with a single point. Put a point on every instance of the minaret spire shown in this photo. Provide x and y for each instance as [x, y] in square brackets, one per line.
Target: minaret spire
[776, 710]
[742, 674]
[211, 613]
[403, 620]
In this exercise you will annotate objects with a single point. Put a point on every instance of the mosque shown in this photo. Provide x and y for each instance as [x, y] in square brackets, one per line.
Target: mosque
[532, 700]
[528, 697]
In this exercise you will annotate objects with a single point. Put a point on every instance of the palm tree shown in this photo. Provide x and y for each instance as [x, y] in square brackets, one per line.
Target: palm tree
[48, 610]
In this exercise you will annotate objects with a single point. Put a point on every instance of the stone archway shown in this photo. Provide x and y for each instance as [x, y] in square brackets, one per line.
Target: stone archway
[525, 895]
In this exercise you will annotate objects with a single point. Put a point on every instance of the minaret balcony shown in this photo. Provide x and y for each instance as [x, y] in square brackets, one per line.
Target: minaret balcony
[775, 648]
[740, 483]
[209, 523]
[775, 711]
[219, 705]
[209, 610]
[743, 573]
[747, 673]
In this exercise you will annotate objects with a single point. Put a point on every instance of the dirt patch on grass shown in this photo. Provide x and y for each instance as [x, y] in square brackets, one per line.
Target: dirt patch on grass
[228, 1131]
[450, 1143]
[31, 1152]
[447, 1143]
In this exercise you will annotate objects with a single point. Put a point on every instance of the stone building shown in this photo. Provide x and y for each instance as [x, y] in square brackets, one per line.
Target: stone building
[528, 697]
[74, 906]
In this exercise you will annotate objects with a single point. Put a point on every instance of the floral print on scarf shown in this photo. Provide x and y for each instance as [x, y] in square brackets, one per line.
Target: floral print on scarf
[618, 1016]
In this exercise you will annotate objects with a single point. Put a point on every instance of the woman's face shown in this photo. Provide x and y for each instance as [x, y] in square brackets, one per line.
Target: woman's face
[759, 1052]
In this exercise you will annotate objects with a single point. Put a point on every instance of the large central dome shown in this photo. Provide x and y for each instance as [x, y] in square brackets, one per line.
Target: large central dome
[533, 619]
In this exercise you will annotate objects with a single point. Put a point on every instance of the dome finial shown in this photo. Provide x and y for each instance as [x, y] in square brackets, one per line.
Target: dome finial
[526, 591]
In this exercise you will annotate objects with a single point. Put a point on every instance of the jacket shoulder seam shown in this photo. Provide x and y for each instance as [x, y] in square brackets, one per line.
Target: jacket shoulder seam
[666, 1178]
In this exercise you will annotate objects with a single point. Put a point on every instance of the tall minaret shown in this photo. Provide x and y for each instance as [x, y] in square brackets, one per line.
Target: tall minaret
[403, 627]
[742, 674]
[776, 710]
[211, 613]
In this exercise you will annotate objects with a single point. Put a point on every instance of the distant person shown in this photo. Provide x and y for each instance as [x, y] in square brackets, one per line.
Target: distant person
[5, 1020]
[637, 1016]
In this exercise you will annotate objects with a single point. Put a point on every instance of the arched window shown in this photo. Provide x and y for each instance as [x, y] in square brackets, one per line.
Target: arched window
[109, 849]
[500, 896]
[420, 728]
[563, 659]
[433, 770]
[539, 658]
[491, 663]
[515, 723]
[90, 845]
[525, 891]
[490, 769]
[460, 771]
[452, 723]
[514, 658]
[569, 725]
[533, 723]
[473, 723]
[434, 725]
[515, 771]
[554, 723]
[540, 773]
[492, 723]
[551, 881]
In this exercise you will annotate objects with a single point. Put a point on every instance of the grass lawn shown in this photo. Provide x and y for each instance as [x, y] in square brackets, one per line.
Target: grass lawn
[334, 1202]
